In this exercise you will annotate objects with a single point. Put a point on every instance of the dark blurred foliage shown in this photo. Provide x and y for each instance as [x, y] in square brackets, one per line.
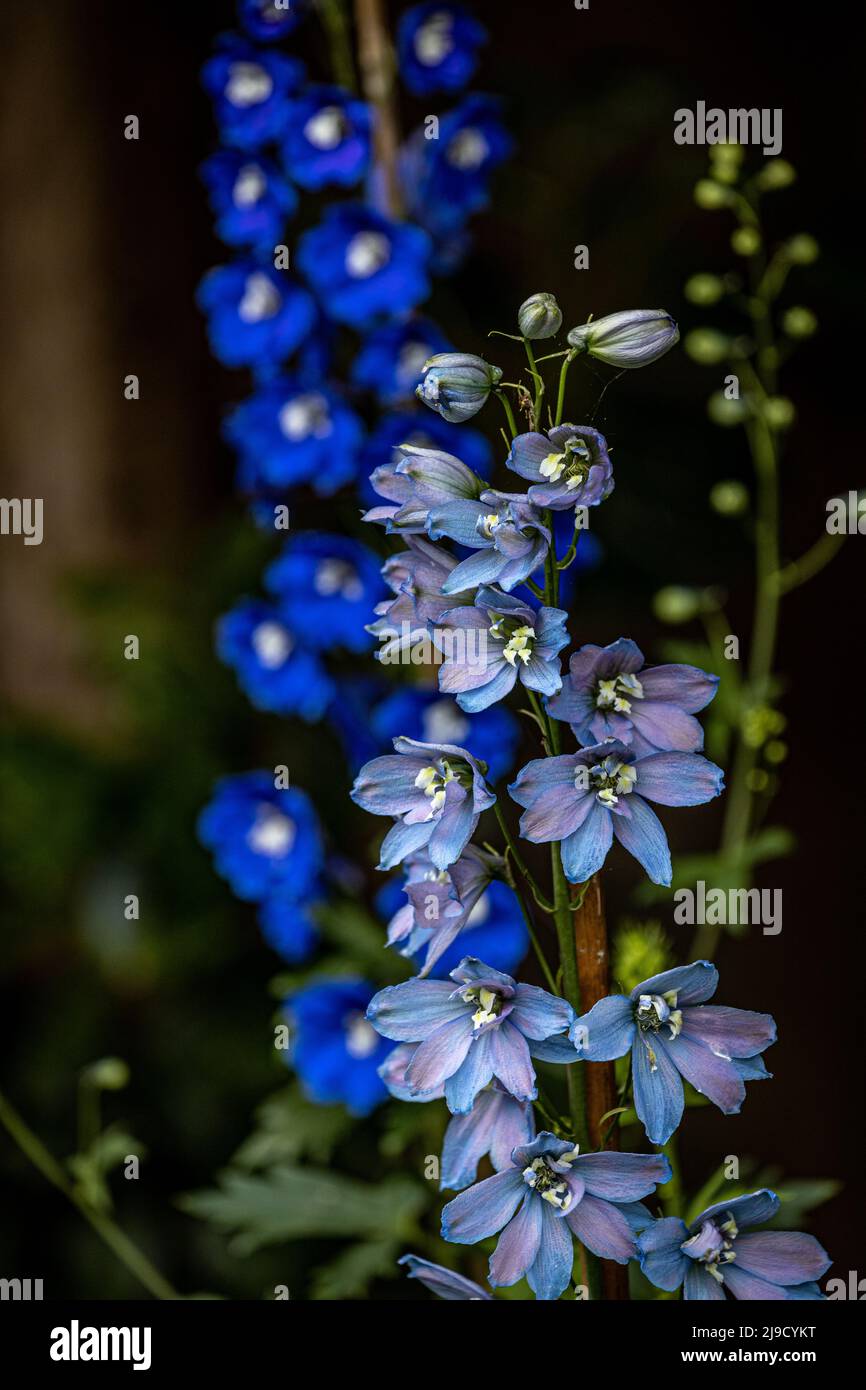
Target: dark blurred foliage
[105, 763]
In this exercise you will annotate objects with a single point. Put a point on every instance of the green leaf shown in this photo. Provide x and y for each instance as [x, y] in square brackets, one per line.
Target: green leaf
[288, 1127]
[353, 1271]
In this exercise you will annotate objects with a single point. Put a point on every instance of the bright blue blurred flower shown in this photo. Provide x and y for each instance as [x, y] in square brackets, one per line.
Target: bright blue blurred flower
[289, 927]
[327, 587]
[335, 1050]
[256, 314]
[713, 1255]
[273, 669]
[448, 178]
[493, 734]
[423, 430]
[670, 1039]
[289, 433]
[264, 840]
[250, 88]
[391, 360]
[364, 267]
[263, 19]
[250, 198]
[497, 641]
[437, 47]
[328, 138]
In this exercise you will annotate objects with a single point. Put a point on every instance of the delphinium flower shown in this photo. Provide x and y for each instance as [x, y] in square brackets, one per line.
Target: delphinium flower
[569, 467]
[497, 641]
[326, 586]
[487, 1027]
[609, 693]
[362, 266]
[445, 1283]
[256, 315]
[426, 715]
[496, 1125]
[436, 792]
[716, 1254]
[333, 1048]
[559, 1193]
[585, 798]
[290, 927]
[440, 903]
[447, 179]
[673, 1034]
[264, 839]
[539, 316]
[504, 528]
[424, 430]
[250, 88]
[250, 198]
[267, 21]
[437, 47]
[457, 384]
[391, 359]
[494, 928]
[260, 643]
[631, 338]
[327, 139]
[417, 480]
[416, 576]
[289, 433]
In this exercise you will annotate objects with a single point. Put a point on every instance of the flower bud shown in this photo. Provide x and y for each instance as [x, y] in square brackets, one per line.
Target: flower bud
[676, 604]
[724, 411]
[632, 338]
[457, 384]
[711, 195]
[799, 322]
[779, 412]
[746, 241]
[802, 249]
[707, 346]
[704, 289]
[729, 498]
[776, 173]
[108, 1074]
[539, 316]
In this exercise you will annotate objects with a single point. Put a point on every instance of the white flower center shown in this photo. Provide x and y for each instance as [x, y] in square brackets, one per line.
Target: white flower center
[434, 40]
[327, 128]
[337, 577]
[618, 693]
[271, 834]
[609, 780]
[305, 416]
[444, 723]
[248, 84]
[519, 641]
[488, 1001]
[361, 1037]
[468, 150]
[366, 253]
[573, 463]
[654, 1010]
[433, 784]
[272, 644]
[261, 299]
[250, 184]
[548, 1183]
[486, 525]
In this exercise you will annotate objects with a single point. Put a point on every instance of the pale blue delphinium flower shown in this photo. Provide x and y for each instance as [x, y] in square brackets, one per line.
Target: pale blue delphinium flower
[416, 577]
[631, 338]
[672, 1034]
[456, 384]
[714, 1254]
[441, 902]
[507, 532]
[569, 467]
[415, 480]
[585, 798]
[487, 1027]
[497, 641]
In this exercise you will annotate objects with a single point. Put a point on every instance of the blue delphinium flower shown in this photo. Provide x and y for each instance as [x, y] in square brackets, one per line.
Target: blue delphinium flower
[424, 714]
[328, 138]
[265, 840]
[569, 467]
[250, 88]
[436, 792]
[262, 19]
[631, 338]
[426, 431]
[441, 902]
[289, 927]
[496, 1125]
[560, 1193]
[334, 1050]
[448, 178]
[364, 267]
[507, 532]
[414, 482]
[489, 646]
[608, 693]
[585, 798]
[289, 433]
[260, 643]
[327, 586]
[457, 384]
[255, 314]
[487, 1027]
[444, 1282]
[716, 1049]
[713, 1254]
[494, 930]
[437, 47]
[250, 198]
[391, 359]
[416, 577]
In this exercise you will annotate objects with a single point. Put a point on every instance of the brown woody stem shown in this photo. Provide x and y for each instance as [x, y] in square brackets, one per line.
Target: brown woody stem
[376, 59]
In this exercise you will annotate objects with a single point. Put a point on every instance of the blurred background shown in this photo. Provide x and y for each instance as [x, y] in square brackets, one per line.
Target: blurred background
[105, 763]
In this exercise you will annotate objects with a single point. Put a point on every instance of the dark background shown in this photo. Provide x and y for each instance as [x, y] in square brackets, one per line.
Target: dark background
[105, 763]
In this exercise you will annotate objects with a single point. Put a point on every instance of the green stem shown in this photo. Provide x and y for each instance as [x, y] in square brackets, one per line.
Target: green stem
[117, 1241]
[334, 21]
[538, 381]
[533, 936]
[506, 406]
[560, 395]
[510, 841]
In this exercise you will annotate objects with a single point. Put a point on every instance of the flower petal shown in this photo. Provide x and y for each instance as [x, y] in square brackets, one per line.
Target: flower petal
[474, 1073]
[607, 1031]
[538, 1014]
[603, 1229]
[414, 1010]
[714, 1077]
[729, 1032]
[465, 1144]
[692, 984]
[518, 1244]
[754, 1209]
[440, 1055]
[679, 779]
[585, 850]
[686, 686]
[484, 1209]
[444, 1282]
[640, 831]
[621, 1177]
[658, 1090]
[783, 1257]
[512, 1064]
[699, 1285]
[661, 1259]
[551, 1271]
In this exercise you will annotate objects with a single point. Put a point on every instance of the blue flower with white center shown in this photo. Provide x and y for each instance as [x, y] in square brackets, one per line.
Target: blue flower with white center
[364, 267]
[417, 480]
[447, 1285]
[436, 792]
[491, 645]
[250, 198]
[327, 587]
[448, 178]
[421, 429]
[507, 532]
[610, 693]
[717, 1254]
[441, 903]
[437, 47]
[274, 670]
[672, 1034]
[269, 21]
[569, 467]
[334, 1049]
[250, 88]
[391, 360]
[256, 314]
[494, 929]
[416, 576]
[290, 433]
[456, 384]
[290, 927]
[493, 734]
[489, 1026]
[585, 798]
[328, 138]
[265, 840]
[548, 1194]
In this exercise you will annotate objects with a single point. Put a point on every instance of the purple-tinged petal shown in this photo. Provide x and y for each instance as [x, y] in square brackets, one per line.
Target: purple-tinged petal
[453, 830]
[751, 1288]
[666, 727]
[701, 1286]
[640, 831]
[679, 779]
[414, 1010]
[444, 1282]
[540, 775]
[385, 786]
[541, 675]
[729, 1032]
[440, 1055]
[550, 1273]
[402, 839]
[686, 686]
[483, 567]
[538, 1014]
[692, 984]
[809, 1291]
[621, 1177]
[714, 1077]
[752, 1068]
[755, 1209]
[510, 1123]
[585, 850]
[499, 684]
[465, 1144]
[512, 1064]
[518, 1244]
[607, 1031]
[484, 1209]
[783, 1257]
[558, 1049]
[527, 454]
[661, 1259]
[474, 1073]
[602, 1228]
[557, 813]
[658, 1090]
